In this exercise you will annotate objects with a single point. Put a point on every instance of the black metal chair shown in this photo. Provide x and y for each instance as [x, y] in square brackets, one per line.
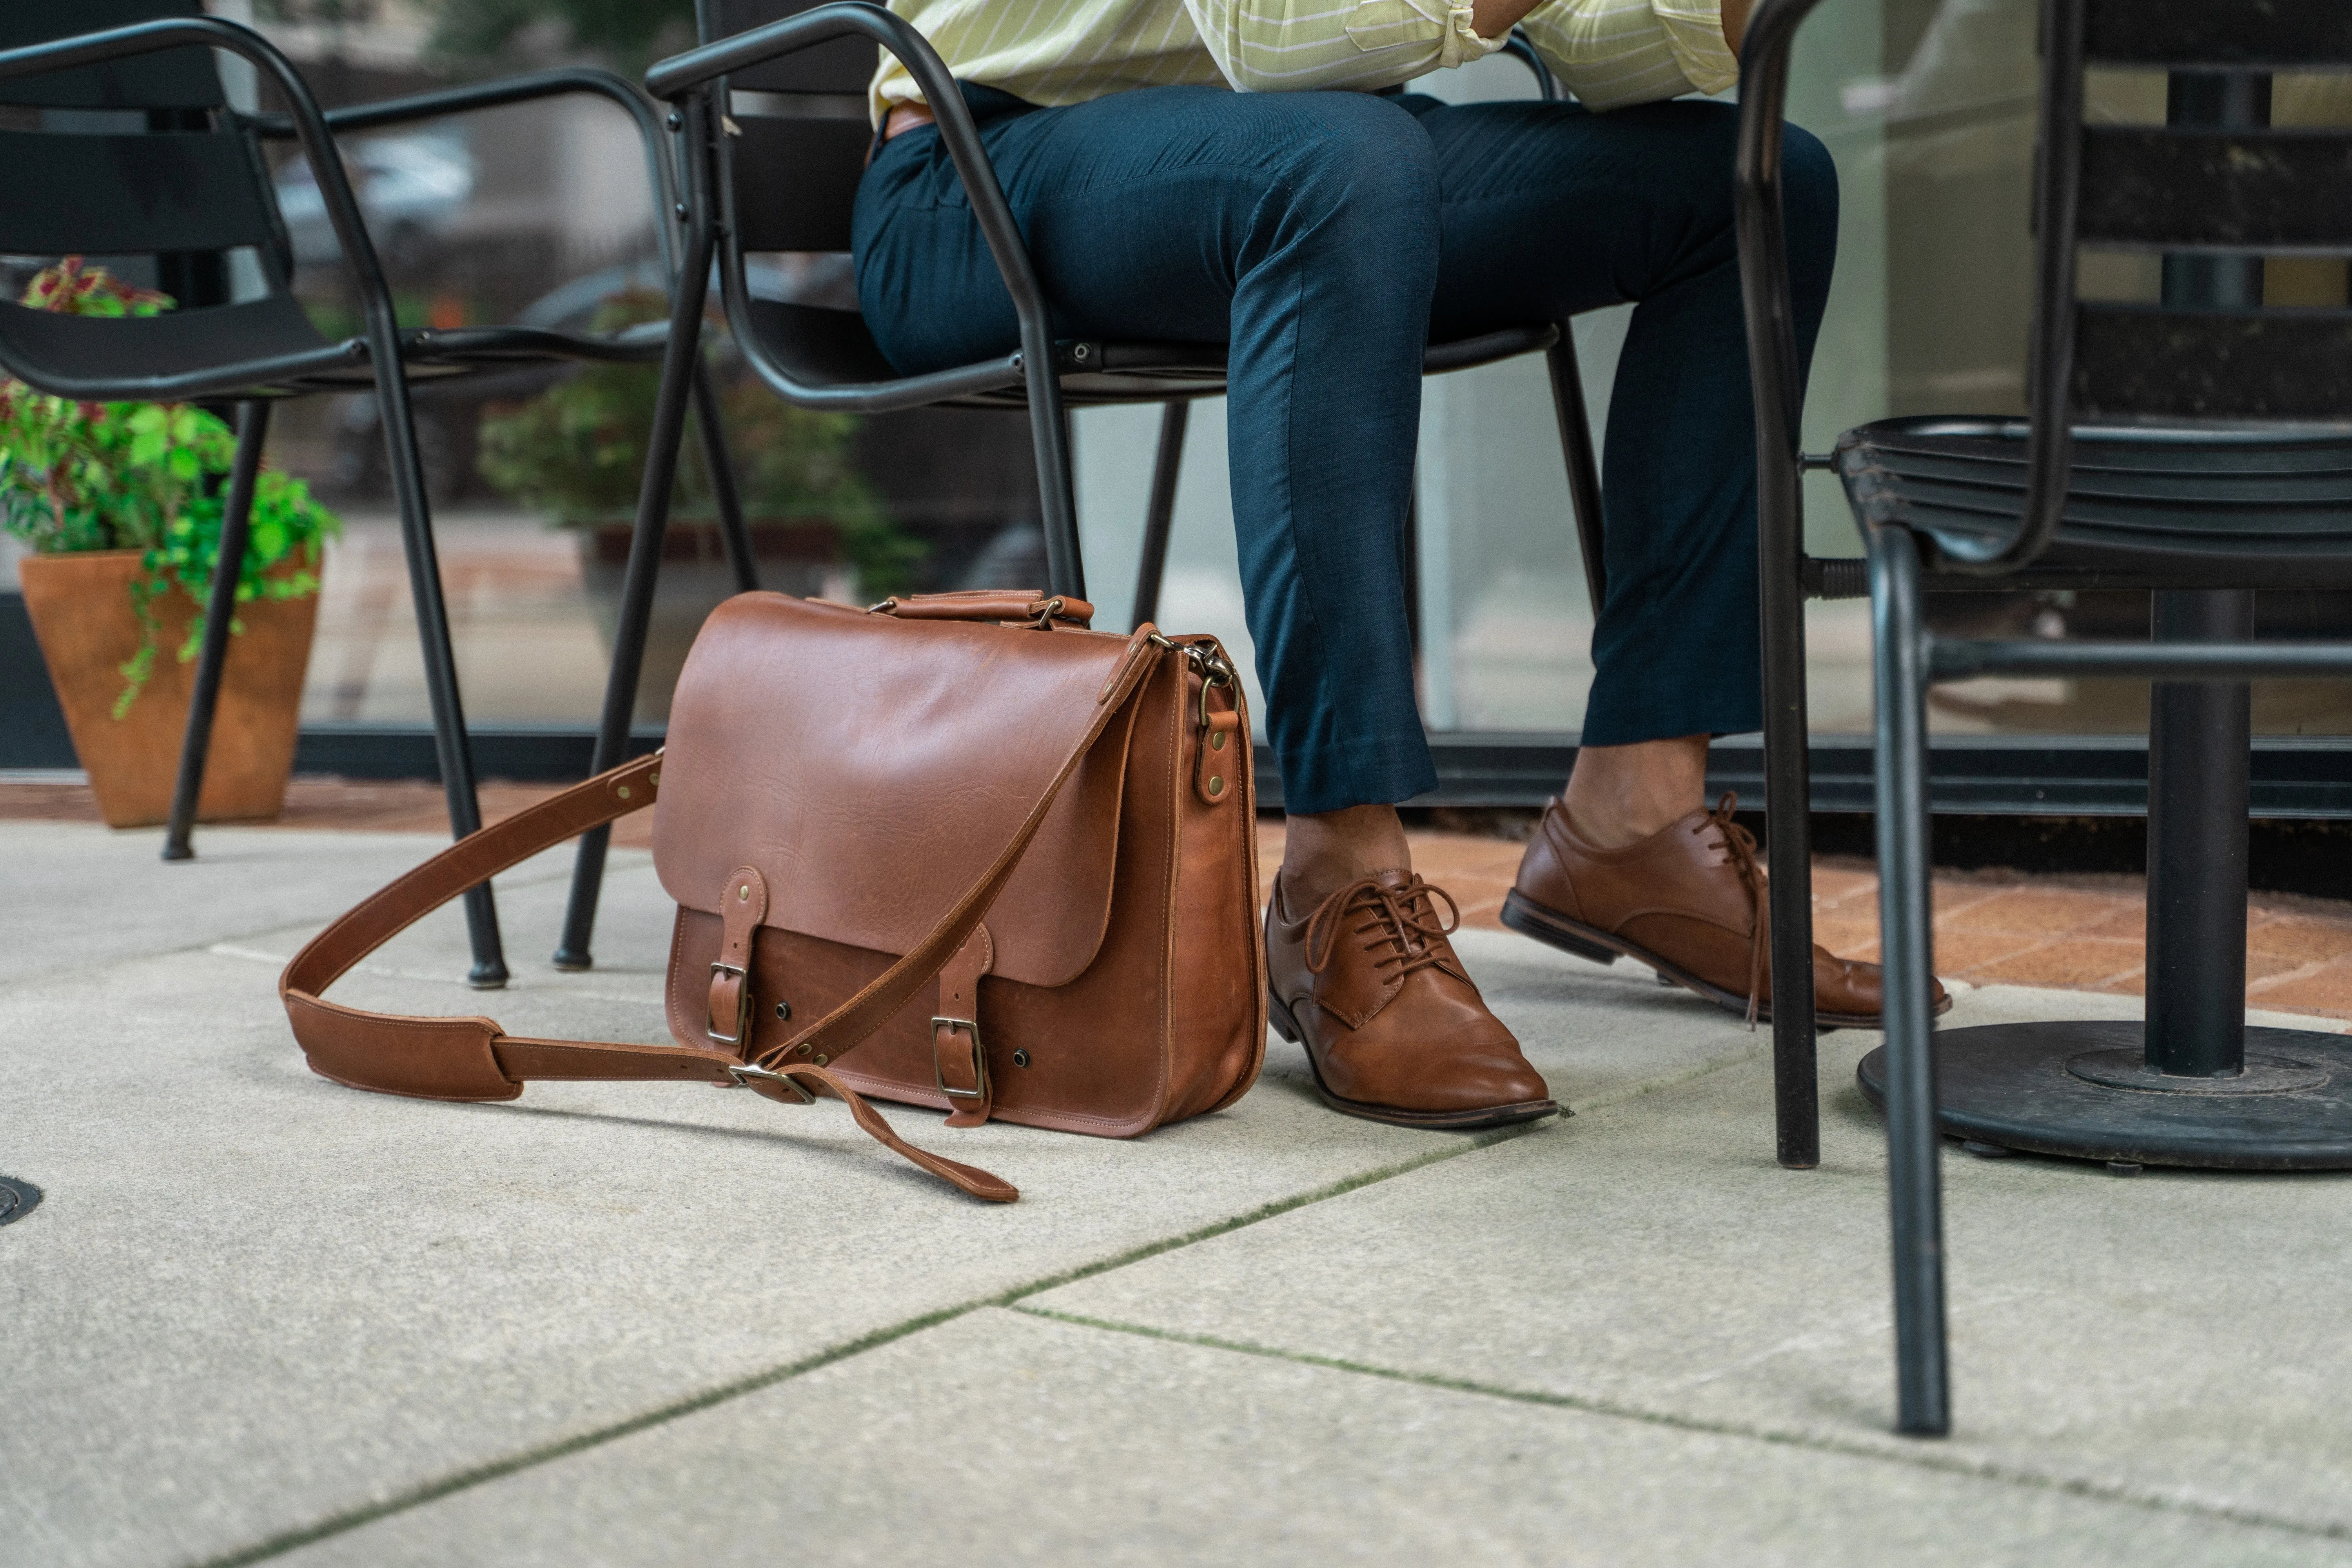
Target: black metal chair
[2199, 447]
[181, 178]
[772, 116]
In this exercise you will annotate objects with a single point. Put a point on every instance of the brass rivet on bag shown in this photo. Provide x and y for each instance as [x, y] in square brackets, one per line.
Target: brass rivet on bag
[1217, 739]
[1217, 786]
[743, 894]
[654, 778]
[783, 1010]
[1021, 1058]
[622, 792]
[803, 1048]
[820, 1061]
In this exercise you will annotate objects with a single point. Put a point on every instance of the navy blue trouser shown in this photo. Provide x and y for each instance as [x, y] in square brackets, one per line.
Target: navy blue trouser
[1324, 236]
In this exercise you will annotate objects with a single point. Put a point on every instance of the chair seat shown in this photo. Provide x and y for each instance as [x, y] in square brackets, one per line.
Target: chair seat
[822, 347]
[2246, 508]
[267, 347]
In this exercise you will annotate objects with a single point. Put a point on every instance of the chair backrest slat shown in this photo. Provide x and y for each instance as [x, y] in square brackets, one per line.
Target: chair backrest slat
[844, 66]
[795, 181]
[169, 79]
[134, 195]
[2138, 362]
[2274, 35]
[2257, 190]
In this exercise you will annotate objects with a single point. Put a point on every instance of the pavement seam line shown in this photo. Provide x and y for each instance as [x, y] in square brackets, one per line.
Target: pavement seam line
[1975, 1470]
[348, 1519]
[463, 1480]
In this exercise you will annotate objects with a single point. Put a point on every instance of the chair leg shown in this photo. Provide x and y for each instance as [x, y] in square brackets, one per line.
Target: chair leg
[1161, 514]
[1787, 806]
[1583, 469]
[453, 748]
[678, 376]
[723, 493]
[1914, 1150]
[1409, 563]
[220, 609]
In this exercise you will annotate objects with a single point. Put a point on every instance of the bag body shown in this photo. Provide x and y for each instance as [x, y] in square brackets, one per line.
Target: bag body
[955, 850]
[868, 766]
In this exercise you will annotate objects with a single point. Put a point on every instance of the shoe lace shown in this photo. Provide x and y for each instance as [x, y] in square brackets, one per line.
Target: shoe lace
[1740, 844]
[1400, 926]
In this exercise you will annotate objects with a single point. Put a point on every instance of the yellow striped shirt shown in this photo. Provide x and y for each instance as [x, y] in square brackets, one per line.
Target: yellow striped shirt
[1609, 53]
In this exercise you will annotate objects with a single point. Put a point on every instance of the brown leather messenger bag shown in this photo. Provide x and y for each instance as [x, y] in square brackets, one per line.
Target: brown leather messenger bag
[956, 851]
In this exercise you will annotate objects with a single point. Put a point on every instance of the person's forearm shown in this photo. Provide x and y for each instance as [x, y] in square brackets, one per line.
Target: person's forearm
[1494, 17]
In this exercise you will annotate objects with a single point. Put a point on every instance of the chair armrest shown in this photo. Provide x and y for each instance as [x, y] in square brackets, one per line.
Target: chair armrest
[1763, 242]
[1522, 49]
[681, 75]
[473, 98]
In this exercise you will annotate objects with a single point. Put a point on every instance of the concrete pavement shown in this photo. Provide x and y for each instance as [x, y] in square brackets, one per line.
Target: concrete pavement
[261, 1316]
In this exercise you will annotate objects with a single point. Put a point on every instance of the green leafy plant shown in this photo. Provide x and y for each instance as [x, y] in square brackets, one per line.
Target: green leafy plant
[146, 476]
[578, 450]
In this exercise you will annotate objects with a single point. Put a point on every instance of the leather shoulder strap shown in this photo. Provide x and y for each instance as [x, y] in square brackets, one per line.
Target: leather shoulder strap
[473, 1058]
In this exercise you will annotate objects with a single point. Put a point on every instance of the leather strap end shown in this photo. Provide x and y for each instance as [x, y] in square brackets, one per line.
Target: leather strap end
[969, 1179]
[742, 905]
[959, 1051]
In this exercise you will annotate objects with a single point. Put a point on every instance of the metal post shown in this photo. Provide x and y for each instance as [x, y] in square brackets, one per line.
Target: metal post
[724, 496]
[2199, 741]
[1779, 397]
[1583, 467]
[1408, 562]
[452, 749]
[680, 360]
[1914, 1148]
[1160, 515]
[236, 523]
[2200, 736]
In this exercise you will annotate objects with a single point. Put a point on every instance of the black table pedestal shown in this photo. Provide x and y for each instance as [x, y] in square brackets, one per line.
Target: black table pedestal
[2193, 1086]
[2084, 1090]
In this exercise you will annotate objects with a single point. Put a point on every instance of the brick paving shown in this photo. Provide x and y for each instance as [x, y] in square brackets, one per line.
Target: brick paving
[2066, 932]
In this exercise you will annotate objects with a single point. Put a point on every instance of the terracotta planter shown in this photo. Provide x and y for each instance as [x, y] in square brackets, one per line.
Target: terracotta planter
[80, 609]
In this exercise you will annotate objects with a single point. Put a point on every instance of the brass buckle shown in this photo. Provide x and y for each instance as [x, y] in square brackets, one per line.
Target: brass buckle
[743, 1073]
[1213, 669]
[742, 1004]
[978, 1059]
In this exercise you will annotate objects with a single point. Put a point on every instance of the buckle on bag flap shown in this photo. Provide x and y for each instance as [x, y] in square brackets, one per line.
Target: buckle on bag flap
[742, 1003]
[978, 1059]
[743, 1074]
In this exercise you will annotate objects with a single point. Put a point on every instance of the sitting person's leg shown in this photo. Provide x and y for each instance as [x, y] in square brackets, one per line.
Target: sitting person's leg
[1302, 229]
[1548, 211]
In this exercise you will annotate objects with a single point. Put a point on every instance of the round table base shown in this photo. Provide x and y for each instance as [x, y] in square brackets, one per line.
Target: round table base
[2073, 1088]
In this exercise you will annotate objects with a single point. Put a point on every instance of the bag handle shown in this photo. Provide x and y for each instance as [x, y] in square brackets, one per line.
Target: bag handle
[475, 1059]
[990, 604]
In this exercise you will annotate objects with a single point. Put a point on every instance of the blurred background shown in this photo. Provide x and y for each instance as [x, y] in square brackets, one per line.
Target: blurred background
[543, 213]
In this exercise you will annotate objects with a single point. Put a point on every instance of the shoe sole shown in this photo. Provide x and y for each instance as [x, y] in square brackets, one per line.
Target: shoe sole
[1287, 1028]
[1526, 917]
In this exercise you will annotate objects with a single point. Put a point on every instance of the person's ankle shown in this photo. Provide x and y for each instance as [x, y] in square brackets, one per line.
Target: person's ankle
[1619, 795]
[1615, 825]
[1326, 852]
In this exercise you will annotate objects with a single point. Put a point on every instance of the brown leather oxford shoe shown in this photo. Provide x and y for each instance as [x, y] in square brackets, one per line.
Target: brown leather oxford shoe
[1689, 901]
[1392, 1025]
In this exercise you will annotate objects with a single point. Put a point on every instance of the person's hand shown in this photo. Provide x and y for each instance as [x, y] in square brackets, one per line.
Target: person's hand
[1734, 23]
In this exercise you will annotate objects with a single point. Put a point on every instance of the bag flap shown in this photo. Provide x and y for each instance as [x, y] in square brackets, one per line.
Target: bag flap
[873, 768]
